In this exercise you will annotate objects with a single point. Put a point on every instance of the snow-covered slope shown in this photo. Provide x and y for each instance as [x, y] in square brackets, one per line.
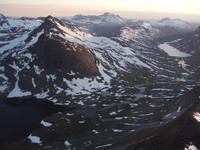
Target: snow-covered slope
[14, 30]
[46, 52]
[67, 60]
[139, 35]
[57, 60]
[11, 24]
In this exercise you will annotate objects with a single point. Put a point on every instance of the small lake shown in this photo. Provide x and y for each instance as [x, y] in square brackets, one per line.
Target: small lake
[21, 116]
[171, 51]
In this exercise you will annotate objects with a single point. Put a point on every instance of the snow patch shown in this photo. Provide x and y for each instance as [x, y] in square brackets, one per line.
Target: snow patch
[95, 131]
[190, 147]
[196, 116]
[83, 86]
[67, 143]
[117, 130]
[46, 124]
[34, 139]
[3, 88]
[17, 92]
[38, 70]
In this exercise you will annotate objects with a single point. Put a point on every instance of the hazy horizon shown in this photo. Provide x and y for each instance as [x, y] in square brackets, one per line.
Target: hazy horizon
[129, 9]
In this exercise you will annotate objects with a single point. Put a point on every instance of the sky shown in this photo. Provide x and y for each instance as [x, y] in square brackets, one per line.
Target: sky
[138, 9]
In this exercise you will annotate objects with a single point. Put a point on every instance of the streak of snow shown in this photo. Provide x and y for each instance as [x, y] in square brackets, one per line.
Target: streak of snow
[14, 66]
[42, 94]
[3, 76]
[34, 85]
[179, 109]
[117, 130]
[34, 39]
[102, 146]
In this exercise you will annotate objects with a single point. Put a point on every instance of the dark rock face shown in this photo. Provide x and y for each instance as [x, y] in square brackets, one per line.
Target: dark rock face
[197, 31]
[173, 134]
[176, 134]
[3, 20]
[57, 54]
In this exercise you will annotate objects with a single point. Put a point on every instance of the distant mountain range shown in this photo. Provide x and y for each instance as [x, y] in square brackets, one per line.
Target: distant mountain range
[177, 23]
[104, 19]
[64, 54]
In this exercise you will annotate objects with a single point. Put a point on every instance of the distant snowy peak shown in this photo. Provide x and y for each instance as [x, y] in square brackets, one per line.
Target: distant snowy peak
[2, 17]
[142, 31]
[177, 23]
[111, 18]
[3, 21]
[197, 31]
[106, 18]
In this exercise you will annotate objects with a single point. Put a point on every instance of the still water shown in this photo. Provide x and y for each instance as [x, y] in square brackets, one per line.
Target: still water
[171, 51]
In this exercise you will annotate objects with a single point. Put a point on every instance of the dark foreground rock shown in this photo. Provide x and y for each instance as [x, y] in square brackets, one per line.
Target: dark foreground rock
[84, 128]
[174, 135]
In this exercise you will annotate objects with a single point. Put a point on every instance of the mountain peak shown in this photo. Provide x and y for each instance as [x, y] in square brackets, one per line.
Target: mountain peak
[197, 31]
[51, 24]
[49, 20]
[165, 19]
[2, 16]
[107, 14]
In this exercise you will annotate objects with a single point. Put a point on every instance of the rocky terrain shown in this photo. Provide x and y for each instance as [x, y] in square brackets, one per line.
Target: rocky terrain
[126, 90]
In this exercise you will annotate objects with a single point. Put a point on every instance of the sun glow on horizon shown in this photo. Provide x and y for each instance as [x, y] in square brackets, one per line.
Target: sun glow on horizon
[72, 7]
